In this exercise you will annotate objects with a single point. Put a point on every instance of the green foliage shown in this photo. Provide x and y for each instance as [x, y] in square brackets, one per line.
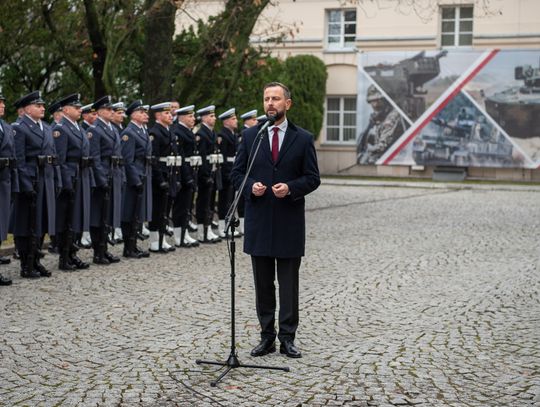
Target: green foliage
[305, 76]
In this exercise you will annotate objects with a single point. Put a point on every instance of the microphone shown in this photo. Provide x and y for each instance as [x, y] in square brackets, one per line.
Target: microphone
[268, 121]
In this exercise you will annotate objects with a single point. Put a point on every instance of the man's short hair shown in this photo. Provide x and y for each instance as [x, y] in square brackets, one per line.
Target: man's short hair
[286, 91]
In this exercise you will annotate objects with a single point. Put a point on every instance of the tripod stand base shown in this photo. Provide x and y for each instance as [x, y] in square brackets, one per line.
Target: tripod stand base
[233, 363]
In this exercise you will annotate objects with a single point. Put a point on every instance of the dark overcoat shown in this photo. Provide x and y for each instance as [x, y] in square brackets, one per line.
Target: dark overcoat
[8, 177]
[104, 144]
[275, 227]
[72, 145]
[136, 148]
[31, 142]
[206, 145]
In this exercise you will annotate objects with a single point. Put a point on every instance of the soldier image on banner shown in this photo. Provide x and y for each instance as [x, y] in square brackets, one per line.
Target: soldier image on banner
[109, 174]
[137, 154]
[165, 176]
[34, 206]
[73, 202]
[181, 211]
[227, 141]
[8, 180]
[384, 128]
[205, 182]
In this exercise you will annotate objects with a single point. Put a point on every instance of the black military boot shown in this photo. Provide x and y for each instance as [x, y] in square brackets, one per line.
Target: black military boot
[99, 247]
[5, 280]
[129, 242]
[27, 269]
[77, 262]
[64, 262]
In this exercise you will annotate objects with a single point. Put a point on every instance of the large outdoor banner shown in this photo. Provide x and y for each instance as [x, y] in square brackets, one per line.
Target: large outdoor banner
[450, 108]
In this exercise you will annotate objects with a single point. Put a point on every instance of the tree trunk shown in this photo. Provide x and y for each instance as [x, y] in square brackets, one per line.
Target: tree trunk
[158, 62]
[99, 49]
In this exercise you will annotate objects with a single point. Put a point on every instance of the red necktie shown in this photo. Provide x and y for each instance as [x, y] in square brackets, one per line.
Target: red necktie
[275, 144]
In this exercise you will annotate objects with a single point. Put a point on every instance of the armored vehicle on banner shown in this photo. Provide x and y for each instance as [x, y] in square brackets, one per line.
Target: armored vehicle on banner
[404, 81]
[467, 140]
[517, 110]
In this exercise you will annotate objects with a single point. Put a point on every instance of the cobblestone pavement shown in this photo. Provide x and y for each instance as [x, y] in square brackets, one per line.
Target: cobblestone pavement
[408, 297]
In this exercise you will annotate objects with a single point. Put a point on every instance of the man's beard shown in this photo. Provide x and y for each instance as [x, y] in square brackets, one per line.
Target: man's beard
[278, 116]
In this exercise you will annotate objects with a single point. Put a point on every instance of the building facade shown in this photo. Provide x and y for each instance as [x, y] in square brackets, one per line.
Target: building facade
[339, 31]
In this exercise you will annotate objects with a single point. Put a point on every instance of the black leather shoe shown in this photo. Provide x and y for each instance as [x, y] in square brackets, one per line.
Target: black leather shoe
[128, 254]
[142, 253]
[101, 260]
[77, 262]
[66, 265]
[5, 260]
[264, 347]
[140, 236]
[111, 257]
[29, 273]
[288, 348]
[5, 280]
[40, 268]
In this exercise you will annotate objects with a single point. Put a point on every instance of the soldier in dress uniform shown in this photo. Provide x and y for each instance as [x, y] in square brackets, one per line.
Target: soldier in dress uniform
[8, 180]
[106, 152]
[227, 141]
[55, 110]
[205, 175]
[165, 176]
[117, 120]
[137, 154]
[73, 202]
[119, 114]
[249, 119]
[181, 211]
[34, 206]
[89, 116]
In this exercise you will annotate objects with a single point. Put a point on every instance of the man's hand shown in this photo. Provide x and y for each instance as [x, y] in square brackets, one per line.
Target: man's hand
[258, 189]
[280, 190]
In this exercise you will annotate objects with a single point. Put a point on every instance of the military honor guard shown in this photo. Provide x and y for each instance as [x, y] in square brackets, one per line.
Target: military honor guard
[181, 211]
[89, 116]
[8, 180]
[73, 202]
[165, 176]
[55, 110]
[34, 206]
[205, 182]
[137, 154]
[106, 152]
[119, 114]
[227, 141]
[249, 119]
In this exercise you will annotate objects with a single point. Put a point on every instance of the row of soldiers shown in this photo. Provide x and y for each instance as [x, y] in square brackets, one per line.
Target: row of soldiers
[89, 177]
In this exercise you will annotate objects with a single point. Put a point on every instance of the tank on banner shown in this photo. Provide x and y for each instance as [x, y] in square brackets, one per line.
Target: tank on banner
[456, 108]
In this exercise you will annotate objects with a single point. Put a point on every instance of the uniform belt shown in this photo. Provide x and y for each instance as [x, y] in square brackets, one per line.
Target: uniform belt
[171, 161]
[7, 162]
[114, 160]
[145, 160]
[42, 160]
[194, 160]
[84, 162]
[230, 159]
[215, 158]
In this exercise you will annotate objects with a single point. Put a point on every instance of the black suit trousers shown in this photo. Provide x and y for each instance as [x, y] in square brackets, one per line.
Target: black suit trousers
[264, 272]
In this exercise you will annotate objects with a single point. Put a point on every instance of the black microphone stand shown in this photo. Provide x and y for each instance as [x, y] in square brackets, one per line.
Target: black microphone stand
[232, 222]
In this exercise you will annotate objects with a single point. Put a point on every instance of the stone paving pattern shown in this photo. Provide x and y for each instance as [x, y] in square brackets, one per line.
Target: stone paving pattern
[408, 296]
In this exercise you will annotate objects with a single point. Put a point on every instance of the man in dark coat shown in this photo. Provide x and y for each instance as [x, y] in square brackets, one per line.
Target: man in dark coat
[8, 180]
[206, 173]
[109, 174]
[181, 212]
[226, 140]
[137, 153]
[284, 171]
[165, 176]
[34, 207]
[73, 203]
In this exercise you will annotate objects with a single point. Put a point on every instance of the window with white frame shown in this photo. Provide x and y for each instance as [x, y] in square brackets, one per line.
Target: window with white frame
[457, 26]
[341, 119]
[341, 28]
